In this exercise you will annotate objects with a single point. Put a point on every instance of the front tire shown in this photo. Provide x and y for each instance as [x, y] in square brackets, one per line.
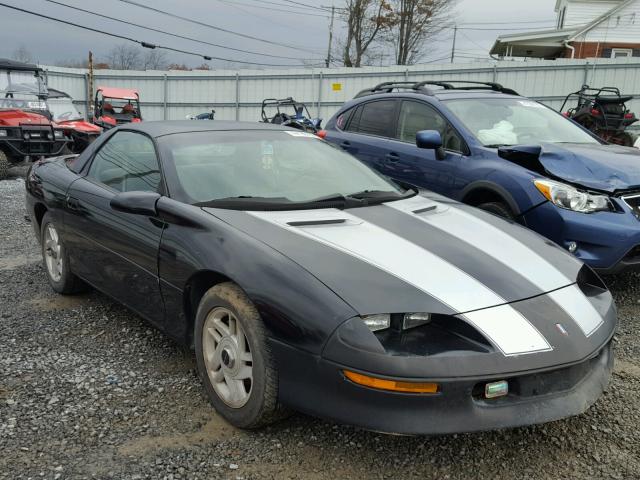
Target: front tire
[56, 260]
[499, 209]
[234, 360]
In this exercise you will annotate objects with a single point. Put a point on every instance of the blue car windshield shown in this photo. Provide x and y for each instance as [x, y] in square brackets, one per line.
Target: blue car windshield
[515, 121]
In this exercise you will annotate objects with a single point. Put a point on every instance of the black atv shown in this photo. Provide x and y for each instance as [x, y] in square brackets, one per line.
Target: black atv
[297, 117]
[603, 111]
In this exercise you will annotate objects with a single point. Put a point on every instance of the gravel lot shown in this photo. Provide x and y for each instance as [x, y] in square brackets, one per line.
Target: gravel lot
[89, 390]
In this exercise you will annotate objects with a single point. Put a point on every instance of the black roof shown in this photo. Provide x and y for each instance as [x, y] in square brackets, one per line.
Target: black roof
[160, 128]
[7, 64]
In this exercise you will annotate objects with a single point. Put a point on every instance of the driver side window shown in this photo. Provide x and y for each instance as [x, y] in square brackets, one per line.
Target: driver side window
[417, 116]
[127, 162]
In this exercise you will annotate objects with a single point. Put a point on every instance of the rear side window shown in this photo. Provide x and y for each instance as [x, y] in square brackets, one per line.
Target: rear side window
[374, 118]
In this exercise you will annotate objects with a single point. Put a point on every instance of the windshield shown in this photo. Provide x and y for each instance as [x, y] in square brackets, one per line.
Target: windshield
[277, 166]
[62, 108]
[514, 121]
[21, 90]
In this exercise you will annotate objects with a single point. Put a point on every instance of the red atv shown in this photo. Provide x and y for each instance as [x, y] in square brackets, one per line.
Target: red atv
[76, 128]
[604, 112]
[116, 106]
[26, 129]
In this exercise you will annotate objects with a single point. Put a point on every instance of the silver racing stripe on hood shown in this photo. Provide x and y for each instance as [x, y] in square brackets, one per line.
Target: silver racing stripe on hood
[500, 246]
[578, 307]
[395, 255]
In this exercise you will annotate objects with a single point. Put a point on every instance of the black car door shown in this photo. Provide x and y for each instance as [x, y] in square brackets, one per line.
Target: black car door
[114, 251]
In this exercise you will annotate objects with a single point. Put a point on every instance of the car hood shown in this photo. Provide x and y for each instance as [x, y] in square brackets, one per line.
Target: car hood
[415, 255]
[607, 168]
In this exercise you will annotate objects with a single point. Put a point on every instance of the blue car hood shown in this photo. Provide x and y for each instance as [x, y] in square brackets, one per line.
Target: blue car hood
[600, 167]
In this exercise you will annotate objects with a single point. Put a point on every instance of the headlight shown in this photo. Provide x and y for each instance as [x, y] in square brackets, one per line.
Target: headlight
[399, 322]
[570, 198]
[3, 133]
[377, 322]
[58, 133]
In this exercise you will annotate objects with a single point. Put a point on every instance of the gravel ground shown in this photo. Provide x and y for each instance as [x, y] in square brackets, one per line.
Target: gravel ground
[89, 390]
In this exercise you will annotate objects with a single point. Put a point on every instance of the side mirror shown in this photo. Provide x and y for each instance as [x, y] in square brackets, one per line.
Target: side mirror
[431, 140]
[136, 203]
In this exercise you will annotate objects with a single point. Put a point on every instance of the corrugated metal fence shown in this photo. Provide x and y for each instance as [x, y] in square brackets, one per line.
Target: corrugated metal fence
[237, 95]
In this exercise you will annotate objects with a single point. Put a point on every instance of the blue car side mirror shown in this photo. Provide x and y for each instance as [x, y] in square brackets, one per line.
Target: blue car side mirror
[431, 140]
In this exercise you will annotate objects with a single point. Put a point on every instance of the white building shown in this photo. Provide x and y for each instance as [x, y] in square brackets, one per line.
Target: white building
[584, 29]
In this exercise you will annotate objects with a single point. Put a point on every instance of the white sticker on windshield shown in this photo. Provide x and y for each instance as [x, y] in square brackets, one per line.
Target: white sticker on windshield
[529, 103]
[300, 134]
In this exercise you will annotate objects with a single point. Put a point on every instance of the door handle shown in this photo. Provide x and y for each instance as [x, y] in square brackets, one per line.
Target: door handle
[392, 157]
[72, 203]
[345, 144]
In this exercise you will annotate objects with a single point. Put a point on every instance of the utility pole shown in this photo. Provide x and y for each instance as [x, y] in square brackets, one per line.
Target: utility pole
[333, 12]
[453, 47]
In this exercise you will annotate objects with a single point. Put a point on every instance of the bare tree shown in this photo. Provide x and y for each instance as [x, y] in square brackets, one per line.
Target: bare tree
[155, 60]
[22, 54]
[203, 66]
[413, 23]
[365, 20]
[124, 57]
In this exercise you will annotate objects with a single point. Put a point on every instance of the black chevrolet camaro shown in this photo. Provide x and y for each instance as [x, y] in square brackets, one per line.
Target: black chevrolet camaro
[303, 279]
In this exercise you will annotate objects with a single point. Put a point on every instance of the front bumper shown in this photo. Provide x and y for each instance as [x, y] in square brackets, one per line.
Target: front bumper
[609, 242]
[318, 387]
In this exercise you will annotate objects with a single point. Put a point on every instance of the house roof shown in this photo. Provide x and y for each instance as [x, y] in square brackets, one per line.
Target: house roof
[539, 44]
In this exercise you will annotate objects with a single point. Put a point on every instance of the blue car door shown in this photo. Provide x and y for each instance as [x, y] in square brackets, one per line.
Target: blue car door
[404, 161]
[366, 131]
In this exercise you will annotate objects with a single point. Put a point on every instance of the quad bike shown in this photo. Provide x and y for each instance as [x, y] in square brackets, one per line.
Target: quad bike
[603, 111]
[116, 106]
[26, 128]
[80, 132]
[299, 118]
[203, 116]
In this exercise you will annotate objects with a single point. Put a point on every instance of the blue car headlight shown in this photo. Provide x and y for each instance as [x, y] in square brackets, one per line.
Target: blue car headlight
[570, 198]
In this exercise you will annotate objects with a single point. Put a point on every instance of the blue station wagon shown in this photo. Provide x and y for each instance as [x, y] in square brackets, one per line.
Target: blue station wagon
[487, 146]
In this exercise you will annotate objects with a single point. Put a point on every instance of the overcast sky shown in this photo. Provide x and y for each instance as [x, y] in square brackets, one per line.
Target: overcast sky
[304, 29]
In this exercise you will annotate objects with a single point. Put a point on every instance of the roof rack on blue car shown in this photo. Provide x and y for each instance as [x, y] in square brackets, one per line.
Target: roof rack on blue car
[423, 87]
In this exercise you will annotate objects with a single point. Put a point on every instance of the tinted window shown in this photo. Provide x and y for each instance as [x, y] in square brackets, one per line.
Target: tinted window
[416, 116]
[374, 118]
[127, 163]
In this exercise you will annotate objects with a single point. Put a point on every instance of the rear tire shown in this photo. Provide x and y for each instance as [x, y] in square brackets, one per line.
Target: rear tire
[499, 209]
[4, 165]
[56, 260]
[234, 360]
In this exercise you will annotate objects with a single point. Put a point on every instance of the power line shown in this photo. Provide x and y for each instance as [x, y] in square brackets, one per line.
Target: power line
[214, 27]
[509, 23]
[293, 12]
[287, 6]
[169, 33]
[139, 42]
[304, 5]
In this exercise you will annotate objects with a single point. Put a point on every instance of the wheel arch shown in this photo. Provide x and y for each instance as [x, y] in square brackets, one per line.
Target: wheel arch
[484, 191]
[193, 291]
[39, 211]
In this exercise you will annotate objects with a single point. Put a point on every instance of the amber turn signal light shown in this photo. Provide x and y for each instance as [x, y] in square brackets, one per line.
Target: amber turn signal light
[391, 385]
